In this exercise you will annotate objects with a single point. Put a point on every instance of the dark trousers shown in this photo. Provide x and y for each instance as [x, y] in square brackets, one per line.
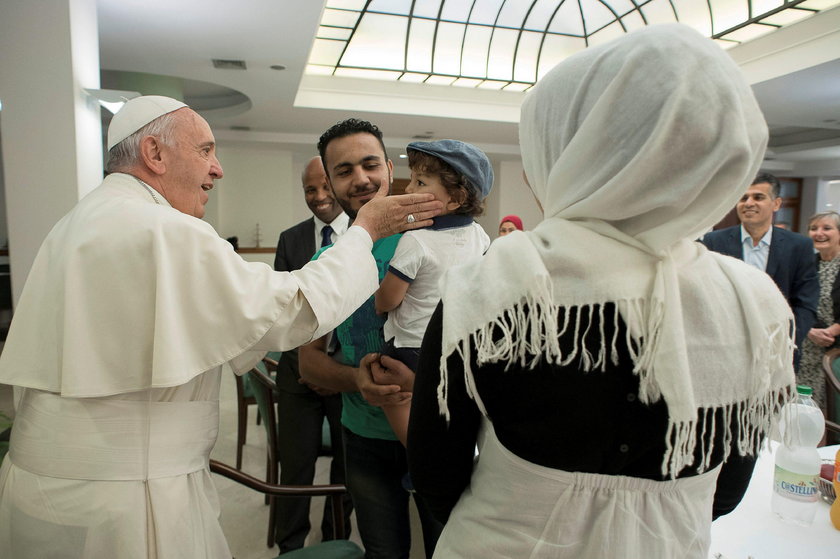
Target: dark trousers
[300, 418]
[376, 472]
[410, 356]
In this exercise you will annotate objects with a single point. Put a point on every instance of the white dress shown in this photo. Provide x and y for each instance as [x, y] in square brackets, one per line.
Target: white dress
[517, 509]
[80, 484]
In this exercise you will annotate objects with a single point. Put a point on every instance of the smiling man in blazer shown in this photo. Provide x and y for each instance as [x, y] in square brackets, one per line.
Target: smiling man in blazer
[787, 257]
[302, 407]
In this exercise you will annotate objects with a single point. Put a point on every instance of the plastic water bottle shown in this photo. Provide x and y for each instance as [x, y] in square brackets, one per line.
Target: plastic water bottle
[795, 493]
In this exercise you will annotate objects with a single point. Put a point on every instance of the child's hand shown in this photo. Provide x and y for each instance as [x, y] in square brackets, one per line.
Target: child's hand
[382, 375]
[397, 372]
[377, 394]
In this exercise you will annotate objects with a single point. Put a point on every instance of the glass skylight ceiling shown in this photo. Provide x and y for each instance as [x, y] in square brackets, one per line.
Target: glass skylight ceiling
[509, 44]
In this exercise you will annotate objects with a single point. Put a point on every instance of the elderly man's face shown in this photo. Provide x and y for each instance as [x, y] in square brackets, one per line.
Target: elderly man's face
[356, 167]
[318, 194]
[191, 164]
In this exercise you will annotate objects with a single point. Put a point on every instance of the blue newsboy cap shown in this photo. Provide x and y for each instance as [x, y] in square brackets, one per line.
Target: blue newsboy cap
[464, 158]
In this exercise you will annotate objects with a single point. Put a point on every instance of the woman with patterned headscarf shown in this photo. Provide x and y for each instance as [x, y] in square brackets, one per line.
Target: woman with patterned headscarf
[614, 374]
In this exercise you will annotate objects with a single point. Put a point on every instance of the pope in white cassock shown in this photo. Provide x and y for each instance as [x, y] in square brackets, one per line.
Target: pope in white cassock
[131, 308]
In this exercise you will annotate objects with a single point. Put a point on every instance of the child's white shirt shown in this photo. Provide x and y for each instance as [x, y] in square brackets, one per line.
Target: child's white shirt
[421, 258]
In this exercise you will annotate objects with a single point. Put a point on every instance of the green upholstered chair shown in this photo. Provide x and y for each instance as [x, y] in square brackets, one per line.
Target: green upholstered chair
[263, 387]
[244, 398]
[831, 368]
[333, 549]
[5, 434]
[4, 444]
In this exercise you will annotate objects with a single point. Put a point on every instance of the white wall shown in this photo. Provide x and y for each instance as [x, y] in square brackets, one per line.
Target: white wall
[259, 187]
[828, 194]
[4, 234]
[515, 196]
[51, 130]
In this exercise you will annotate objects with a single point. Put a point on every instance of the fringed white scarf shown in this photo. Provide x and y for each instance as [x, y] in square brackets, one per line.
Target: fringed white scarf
[633, 152]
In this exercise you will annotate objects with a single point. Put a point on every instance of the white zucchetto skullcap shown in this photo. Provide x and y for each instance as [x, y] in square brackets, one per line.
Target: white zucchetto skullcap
[137, 113]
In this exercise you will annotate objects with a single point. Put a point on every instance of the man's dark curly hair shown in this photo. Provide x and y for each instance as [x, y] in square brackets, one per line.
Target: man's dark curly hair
[348, 128]
[454, 182]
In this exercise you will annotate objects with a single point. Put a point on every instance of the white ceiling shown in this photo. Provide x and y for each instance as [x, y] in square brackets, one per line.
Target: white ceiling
[180, 38]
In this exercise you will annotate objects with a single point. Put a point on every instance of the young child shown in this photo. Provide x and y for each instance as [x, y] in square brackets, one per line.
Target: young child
[460, 176]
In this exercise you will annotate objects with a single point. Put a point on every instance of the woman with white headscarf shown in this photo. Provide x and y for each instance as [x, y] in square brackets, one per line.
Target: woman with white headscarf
[604, 363]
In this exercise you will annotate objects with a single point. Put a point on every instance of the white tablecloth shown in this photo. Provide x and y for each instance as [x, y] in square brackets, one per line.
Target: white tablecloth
[753, 531]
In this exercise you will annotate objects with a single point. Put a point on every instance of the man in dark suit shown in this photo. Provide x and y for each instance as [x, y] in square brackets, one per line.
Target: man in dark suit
[787, 257]
[302, 407]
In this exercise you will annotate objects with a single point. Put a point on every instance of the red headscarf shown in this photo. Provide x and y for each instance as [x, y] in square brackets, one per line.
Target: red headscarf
[513, 219]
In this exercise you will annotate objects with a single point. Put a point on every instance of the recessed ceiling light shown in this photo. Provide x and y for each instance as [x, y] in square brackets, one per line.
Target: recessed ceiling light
[277, 67]
[112, 99]
[403, 156]
[222, 64]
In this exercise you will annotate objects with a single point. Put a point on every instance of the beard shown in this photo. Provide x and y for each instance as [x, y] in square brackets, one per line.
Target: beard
[346, 204]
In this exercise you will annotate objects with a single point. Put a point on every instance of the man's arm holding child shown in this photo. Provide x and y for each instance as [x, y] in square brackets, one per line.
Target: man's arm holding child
[320, 369]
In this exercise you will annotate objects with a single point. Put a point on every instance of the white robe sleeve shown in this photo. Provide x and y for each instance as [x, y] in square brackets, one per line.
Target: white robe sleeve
[127, 295]
[330, 290]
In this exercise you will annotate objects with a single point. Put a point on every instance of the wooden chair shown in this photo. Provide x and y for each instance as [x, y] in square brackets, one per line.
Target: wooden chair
[334, 549]
[832, 428]
[264, 388]
[263, 378]
[831, 368]
[244, 398]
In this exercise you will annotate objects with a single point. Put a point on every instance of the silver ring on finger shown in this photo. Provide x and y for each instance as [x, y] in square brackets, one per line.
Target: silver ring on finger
[410, 218]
